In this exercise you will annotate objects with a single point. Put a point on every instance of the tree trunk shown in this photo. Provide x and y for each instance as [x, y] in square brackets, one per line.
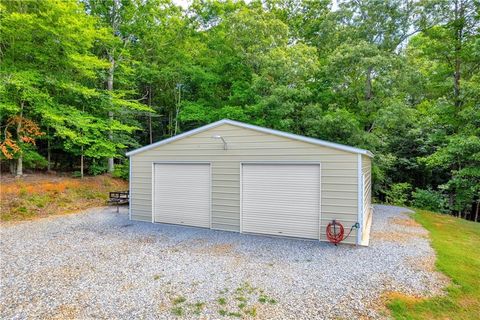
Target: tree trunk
[368, 84]
[19, 128]
[13, 167]
[177, 109]
[176, 121]
[111, 165]
[456, 84]
[19, 167]
[49, 154]
[150, 115]
[477, 211]
[111, 72]
[81, 163]
[459, 16]
[170, 123]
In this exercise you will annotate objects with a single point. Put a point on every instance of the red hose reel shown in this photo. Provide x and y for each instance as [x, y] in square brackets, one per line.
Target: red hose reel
[336, 231]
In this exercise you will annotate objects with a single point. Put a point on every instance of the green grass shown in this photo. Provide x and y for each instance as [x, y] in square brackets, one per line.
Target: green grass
[198, 307]
[178, 311]
[251, 312]
[457, 244]
[179, 300]
[222, 301]
[223, 312]
[244, 296]
[235, 314]
[182, 309]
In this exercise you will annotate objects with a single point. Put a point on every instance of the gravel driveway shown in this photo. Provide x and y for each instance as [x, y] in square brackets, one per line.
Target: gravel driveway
[99, 264]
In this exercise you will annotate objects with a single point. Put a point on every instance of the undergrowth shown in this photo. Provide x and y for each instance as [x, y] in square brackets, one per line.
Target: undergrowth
[24, 200]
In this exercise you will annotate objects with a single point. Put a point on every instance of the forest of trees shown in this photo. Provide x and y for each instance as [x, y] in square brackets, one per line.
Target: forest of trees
[82, 82]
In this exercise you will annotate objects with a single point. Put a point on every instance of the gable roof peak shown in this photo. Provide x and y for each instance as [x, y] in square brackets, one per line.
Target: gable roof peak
[257, 128]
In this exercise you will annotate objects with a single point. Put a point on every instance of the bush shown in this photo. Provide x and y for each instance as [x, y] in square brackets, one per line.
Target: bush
[34, 160]
[76, 174]
[122, 171]
[97, 167]
[398, 193]
[430, 200]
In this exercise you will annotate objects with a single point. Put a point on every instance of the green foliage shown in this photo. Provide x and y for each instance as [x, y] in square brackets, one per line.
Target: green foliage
[32, 159]
[122, 171]
[399, 193]
[334, 125]
[51, 75]
[97, 167]
[429, 200]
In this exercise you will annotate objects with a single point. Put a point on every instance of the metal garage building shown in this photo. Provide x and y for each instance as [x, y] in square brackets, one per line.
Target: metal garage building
[238, 177]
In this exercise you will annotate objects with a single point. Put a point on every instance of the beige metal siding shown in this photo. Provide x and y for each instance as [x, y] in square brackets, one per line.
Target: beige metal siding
[281, 199]
[339, 172]
[182, 194]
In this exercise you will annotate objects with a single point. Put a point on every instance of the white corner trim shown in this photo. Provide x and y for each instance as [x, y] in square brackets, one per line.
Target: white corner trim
[241, 197]
[210, 191]
[129, 189]
[256, 128]
[153, 192]
[360, 198]
[320, 202]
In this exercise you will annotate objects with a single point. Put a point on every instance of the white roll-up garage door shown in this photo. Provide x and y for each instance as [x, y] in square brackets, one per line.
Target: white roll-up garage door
[281, 199]
[182, 194]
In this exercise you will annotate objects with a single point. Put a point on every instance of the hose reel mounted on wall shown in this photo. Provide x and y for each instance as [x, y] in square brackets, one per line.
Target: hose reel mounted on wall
[336, 231]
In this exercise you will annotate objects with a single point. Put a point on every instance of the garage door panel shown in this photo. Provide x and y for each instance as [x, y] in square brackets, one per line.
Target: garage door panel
[182, 194]
[281, 199]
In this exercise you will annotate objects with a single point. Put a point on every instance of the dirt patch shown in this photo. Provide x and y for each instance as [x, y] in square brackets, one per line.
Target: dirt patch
[217, 249]
[223, 250]
[402, 230]
[428, 264]
[405, 222]
[147, 240]
[394, 236]
[65, 311]
[468, 302]
[127, 287]
[423, 263]
[394, 295]
[69, 274]
[381, 304]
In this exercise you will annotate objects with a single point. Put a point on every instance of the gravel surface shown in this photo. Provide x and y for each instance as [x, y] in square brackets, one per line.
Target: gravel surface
[98, 264]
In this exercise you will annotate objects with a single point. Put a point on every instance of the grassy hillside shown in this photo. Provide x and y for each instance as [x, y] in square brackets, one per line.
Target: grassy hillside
[43, 195]
[457, 244]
